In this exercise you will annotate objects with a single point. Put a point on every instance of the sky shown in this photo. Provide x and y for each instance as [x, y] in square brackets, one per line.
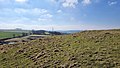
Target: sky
[60, 14]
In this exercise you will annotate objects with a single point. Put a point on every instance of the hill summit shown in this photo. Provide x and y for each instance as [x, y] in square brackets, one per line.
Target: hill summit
[87, 49]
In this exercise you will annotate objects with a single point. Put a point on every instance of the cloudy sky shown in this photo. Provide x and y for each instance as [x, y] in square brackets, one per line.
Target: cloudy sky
[60, 14]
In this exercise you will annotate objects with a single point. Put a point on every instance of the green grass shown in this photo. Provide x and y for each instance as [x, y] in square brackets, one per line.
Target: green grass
[9, 34]
[88, 49]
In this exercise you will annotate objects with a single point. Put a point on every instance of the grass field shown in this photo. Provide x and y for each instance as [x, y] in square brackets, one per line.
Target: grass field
[9, 34]
[88, 49]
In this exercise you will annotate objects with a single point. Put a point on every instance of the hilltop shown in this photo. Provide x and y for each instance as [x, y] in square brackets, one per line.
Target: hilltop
[86, 49]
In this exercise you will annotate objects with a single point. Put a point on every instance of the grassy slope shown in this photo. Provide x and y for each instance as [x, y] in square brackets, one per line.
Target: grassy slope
[9, 34]
[95, 49]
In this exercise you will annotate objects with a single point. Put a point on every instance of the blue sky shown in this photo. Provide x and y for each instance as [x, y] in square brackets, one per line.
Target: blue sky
[60, 14]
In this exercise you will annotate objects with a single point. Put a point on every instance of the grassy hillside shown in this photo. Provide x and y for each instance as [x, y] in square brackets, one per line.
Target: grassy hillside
[9, 34]
[88, 49]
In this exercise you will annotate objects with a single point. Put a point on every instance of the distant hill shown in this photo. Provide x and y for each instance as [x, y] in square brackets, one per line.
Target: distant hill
[44, 32]
[69, 31]
[86, 49]
[14, 30]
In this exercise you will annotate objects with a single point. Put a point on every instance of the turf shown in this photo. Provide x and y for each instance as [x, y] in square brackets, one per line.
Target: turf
[87, 49]
[9, 34]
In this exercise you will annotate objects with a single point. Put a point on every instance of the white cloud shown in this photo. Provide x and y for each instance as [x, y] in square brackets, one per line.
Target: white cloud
[21, 20]
[20, 10]
[70, 3]
[23, 11]
[33, 11]
[86, 2]
[40, 11]
[112, 3]
[39, 27]
[32, 25]
[73, 3]
[21, 1]
[44, 19]
[47, 15]
[59, 11]
[21, 15]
